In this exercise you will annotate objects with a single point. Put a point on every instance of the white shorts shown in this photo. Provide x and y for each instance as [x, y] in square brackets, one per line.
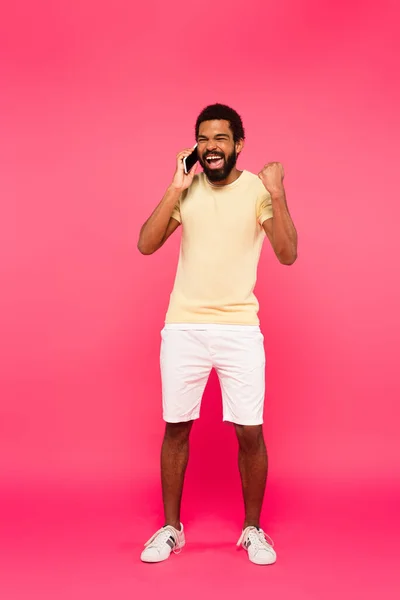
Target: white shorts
[236, 353]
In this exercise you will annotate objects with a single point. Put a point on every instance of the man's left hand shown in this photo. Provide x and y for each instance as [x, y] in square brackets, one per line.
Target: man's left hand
[272, 177]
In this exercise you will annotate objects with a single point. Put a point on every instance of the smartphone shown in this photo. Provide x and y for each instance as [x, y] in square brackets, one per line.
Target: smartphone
[190, 160]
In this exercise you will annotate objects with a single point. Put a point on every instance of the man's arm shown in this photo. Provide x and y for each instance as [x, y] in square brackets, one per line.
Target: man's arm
[280, 229]
[161, 225]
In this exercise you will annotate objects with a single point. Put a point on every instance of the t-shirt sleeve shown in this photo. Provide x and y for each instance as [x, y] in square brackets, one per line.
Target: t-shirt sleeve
[176, 213]
[264, 207]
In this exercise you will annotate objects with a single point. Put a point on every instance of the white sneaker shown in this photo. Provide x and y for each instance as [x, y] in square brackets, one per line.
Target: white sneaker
[162, 543]
[260, 550]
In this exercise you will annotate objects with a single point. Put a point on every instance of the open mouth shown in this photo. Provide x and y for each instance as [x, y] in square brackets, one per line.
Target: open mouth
[215, 161]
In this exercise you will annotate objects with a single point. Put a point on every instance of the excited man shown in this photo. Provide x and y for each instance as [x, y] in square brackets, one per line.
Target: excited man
[212, 317]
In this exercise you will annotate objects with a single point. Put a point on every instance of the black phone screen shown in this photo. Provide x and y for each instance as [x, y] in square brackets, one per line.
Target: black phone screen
[190, 160]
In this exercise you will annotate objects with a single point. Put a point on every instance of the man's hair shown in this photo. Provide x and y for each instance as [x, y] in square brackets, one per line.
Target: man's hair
[223, 112]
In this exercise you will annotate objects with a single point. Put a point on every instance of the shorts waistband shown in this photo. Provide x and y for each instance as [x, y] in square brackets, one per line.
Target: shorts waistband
[209, 327]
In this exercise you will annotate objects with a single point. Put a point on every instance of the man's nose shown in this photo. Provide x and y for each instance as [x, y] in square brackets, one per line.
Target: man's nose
[211, 145]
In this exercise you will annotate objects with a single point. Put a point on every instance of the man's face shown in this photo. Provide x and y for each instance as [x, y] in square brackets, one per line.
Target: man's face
[217, 151]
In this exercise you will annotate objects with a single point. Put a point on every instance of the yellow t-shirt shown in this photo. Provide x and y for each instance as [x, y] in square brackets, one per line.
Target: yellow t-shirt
[222, 237]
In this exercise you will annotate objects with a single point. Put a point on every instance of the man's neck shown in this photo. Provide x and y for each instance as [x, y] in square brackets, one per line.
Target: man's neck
[233, 175]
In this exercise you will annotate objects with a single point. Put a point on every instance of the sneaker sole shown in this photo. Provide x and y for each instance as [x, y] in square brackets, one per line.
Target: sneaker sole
[263, 564]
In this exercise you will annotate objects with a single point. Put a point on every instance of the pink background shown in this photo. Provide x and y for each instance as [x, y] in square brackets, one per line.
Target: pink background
[90, 94]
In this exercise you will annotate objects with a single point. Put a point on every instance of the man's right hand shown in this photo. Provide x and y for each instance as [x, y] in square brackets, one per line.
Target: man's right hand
[181, 181]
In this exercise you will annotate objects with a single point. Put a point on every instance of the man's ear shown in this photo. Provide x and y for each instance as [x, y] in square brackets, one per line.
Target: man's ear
[239, 146]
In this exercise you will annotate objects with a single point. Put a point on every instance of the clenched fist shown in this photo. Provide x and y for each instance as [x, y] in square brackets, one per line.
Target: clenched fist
[272, 177]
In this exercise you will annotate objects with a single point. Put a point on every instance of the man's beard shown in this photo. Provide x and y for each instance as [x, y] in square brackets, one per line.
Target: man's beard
[215, 175]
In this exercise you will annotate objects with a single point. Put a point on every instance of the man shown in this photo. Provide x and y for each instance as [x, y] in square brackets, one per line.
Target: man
[212, 317]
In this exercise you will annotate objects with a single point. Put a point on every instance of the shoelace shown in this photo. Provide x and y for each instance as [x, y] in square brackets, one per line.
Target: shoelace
[160, 538]
[258, 538]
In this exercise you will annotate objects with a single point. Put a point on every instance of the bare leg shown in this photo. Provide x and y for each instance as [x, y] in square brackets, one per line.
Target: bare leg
[253, 467]
[174, 460]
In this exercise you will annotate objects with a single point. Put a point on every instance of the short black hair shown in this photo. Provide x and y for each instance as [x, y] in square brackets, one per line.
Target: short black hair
[223, 112]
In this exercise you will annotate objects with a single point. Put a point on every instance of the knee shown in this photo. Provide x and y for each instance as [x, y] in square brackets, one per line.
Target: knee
[250, 437]
[178, 432]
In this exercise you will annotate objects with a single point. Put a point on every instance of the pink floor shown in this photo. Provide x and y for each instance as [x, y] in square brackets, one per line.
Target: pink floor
[333, 541]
